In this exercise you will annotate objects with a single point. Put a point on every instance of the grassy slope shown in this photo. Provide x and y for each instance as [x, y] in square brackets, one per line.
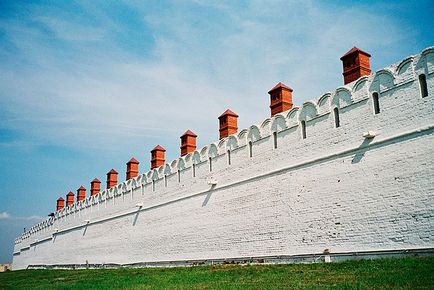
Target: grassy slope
[389, 273]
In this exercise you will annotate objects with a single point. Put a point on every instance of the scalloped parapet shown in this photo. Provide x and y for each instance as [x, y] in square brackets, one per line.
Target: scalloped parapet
[170, 182]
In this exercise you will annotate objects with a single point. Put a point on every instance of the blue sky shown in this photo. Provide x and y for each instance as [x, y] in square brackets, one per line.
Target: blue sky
[86, 85]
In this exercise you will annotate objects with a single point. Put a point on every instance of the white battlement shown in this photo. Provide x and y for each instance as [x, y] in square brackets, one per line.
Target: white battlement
[340, 126]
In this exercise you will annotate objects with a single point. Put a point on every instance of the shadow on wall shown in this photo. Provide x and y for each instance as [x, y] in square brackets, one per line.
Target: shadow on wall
[136, 217]
[208, 195]
[85, 230]
[362, 150]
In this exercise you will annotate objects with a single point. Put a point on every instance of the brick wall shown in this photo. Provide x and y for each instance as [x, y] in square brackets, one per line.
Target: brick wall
[334, 190]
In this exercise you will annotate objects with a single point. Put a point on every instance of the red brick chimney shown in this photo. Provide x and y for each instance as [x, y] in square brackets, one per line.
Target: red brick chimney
[95, 186]
[132, 168]
[112, 178]
[280, 99]
[356, 64]
[157, 157]
[69, 199]
[228, 123]
[60, 204]
[81, 193]
[188, 142]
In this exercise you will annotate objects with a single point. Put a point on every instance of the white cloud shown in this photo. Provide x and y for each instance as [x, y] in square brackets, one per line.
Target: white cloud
[96, 95]
[33, 218]
[4, 215]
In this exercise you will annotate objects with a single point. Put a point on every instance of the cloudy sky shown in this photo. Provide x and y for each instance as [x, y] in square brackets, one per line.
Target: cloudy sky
[86, 85]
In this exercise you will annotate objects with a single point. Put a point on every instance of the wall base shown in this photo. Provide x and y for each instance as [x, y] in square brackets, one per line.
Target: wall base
[285, 259]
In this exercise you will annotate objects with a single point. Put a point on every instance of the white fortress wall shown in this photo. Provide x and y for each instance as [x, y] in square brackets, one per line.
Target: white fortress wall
[334, 190]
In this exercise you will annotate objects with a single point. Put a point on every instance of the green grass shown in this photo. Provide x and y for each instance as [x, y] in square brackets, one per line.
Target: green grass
[406, 273]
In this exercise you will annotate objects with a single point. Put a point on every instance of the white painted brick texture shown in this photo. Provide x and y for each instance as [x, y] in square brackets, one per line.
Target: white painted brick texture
[333, 190]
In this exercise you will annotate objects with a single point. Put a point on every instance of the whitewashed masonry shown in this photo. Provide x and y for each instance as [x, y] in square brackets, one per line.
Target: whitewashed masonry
[364, 186]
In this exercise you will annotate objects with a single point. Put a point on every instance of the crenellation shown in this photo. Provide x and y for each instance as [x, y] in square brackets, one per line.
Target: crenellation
[266, 194]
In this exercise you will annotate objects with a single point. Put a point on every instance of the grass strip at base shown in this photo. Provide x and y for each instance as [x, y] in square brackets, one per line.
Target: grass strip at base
[404, 273]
